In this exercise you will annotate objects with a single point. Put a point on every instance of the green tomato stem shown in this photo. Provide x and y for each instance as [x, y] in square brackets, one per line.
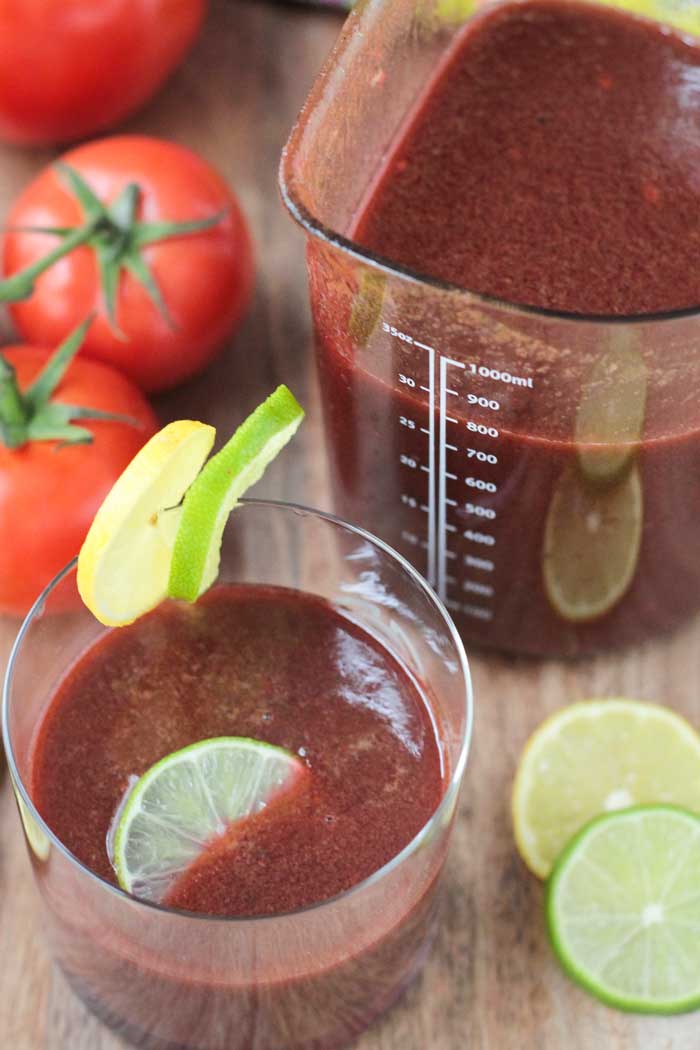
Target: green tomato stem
[13, 409]
[21, 285]
[33, 416]
[117, 238]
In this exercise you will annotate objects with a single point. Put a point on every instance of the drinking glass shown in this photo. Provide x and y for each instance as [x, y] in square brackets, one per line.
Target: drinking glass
[307, 980]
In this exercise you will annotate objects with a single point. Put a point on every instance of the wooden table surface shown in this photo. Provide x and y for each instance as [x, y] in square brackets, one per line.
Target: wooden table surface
[491, 983]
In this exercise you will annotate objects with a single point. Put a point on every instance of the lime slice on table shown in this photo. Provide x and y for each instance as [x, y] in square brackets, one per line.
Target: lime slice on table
[594, 757]
[214, 494]
[623, 909]
[124, 563]
[187, 800]
[591, 547]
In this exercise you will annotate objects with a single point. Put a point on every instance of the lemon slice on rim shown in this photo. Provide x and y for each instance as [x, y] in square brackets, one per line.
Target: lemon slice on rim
[124, 563]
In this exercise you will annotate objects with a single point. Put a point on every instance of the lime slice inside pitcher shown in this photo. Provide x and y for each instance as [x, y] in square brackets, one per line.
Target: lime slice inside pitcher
[592, 540]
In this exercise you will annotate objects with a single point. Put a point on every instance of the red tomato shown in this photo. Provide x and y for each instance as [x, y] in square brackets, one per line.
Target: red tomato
[49, 495]
[73, 67]
[205, 278]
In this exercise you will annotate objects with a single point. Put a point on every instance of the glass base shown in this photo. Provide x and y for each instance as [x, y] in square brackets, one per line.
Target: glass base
[341, 1038]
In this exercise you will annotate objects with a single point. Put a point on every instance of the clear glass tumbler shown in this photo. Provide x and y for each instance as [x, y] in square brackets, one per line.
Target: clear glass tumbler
[307, 980]
[541, 469]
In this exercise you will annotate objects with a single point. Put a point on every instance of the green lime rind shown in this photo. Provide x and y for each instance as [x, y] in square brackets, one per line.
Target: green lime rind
[216, 490]
[189, 798]
[602, 912]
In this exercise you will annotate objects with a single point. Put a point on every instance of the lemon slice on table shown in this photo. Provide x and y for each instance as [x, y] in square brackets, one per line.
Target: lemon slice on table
[124, 563]
[594, 757]
[623, 910]
[216, 491]
[187, 800]
[592, 540]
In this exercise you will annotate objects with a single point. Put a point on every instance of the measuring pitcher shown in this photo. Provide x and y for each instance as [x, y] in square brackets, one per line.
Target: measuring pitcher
[540, 466]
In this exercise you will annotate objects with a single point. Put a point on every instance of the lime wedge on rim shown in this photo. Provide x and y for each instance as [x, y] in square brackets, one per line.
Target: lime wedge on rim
[623, 909]
[593, 757]
[187, 800]
[124, 563]
[215, 492]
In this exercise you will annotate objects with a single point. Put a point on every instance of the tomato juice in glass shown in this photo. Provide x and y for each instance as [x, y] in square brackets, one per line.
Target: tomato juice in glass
[308, 922]
[503, 211]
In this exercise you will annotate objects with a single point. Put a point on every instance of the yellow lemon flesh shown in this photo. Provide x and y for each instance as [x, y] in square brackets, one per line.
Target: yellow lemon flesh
[124, 563]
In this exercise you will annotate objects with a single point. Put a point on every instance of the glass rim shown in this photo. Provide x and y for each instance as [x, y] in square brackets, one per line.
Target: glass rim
[452, 785]
[313, 226]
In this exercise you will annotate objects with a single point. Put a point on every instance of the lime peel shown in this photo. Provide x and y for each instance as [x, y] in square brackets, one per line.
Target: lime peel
[216, 491]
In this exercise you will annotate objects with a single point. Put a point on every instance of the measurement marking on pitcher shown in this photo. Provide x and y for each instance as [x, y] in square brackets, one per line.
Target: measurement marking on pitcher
[461, 579]
[499, 376]
[443, 475]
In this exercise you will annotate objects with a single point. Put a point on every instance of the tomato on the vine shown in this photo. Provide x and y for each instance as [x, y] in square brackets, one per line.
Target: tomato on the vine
[68, 428]
[146, 235]
[71, 68]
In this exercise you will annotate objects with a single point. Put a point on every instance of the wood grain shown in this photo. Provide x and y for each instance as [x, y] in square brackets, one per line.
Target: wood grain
[491, 983]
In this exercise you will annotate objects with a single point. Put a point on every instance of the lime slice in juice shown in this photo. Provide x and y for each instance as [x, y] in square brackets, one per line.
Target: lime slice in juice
[187, 800]
[124, 563]
[592, 539]
[594, 757]
[224, 479]
[623, 909]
